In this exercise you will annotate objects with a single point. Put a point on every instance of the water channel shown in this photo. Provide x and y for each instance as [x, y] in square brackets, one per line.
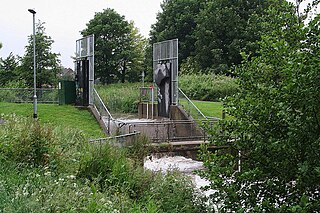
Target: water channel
[165, 163]
[185, 165]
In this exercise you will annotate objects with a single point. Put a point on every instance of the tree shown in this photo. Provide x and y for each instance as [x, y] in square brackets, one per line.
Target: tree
[276, 124]
[224, 29]
[118, 46]
[47, 62]
[135, 56]
[177, 20]
[8, 69]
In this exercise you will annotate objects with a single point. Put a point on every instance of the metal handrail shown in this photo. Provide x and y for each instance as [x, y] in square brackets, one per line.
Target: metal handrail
[194, 106]
[114, 137]
[103, 105]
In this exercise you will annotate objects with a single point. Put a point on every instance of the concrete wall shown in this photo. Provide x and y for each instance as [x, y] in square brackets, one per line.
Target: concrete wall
[177, 113]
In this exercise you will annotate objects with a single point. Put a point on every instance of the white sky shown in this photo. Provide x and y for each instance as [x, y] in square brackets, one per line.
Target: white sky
[64, 20]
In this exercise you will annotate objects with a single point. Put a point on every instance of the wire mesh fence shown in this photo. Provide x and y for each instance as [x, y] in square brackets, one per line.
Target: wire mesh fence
[22, 95]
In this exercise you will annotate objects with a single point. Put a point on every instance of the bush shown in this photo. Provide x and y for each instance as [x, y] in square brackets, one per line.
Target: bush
[114, 173]
[175, 192]
[29, 143]
[207, 87]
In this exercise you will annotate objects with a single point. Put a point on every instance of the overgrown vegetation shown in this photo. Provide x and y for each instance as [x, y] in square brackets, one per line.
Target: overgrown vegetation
[121, 97]
[207, 87]
[276, 122]
[49, 169]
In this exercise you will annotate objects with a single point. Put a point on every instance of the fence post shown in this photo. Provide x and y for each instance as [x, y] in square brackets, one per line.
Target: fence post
[223, 114]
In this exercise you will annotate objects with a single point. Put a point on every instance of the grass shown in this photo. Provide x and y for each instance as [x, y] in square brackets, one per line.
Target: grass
[209, 108]
[51, 169]
[65, 115]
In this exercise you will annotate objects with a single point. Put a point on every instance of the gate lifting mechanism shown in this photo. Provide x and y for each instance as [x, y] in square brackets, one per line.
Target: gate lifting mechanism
[84, 66]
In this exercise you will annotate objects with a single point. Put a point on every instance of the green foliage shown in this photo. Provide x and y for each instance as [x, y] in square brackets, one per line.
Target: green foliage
[175, 192]
[82, 177]
[211, 33]
[8, 69]
[47, 63]
[14, 84]
[27, 142]
[207, 87]
[177, 20]
[224, 29]
[139, 149]
[276, 123]
[119, 48]
[120, 98]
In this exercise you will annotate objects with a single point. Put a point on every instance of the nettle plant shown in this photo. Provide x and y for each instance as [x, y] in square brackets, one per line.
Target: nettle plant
[276, 122]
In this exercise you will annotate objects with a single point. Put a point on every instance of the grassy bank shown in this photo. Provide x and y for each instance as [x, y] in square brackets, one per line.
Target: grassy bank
[48, 168]
[65, 115]
[209, 108]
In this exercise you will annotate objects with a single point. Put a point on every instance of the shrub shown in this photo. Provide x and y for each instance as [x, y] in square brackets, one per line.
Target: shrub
[27, 142]
[207, 87]
[105, 165]
[139, 149]
[175, 192]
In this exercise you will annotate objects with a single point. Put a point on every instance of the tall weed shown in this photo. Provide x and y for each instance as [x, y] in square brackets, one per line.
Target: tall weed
[29, 143]
[207, 87]
[121, 97]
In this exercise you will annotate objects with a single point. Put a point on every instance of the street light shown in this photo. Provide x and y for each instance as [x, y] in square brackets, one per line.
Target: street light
[35, 115]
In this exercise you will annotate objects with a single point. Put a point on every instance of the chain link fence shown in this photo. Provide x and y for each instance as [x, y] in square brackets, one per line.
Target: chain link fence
[20, 95]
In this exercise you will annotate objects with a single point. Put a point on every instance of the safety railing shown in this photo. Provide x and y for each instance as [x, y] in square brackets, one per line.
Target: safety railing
[103, 111]
[118, 140]
[164, 131]
[25, 95]
[191, 109]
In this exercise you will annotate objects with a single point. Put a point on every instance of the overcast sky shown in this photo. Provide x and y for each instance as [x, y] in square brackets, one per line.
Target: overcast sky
[64, 19]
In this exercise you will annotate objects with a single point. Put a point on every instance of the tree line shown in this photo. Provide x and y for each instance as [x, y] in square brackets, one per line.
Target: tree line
[211, 33]
[17, 71]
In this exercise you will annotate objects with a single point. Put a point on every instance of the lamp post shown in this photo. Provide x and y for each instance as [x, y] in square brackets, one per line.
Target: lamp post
[35, 115]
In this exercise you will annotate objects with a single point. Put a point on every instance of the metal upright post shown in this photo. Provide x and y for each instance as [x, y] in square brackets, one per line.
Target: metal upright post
[35, 114]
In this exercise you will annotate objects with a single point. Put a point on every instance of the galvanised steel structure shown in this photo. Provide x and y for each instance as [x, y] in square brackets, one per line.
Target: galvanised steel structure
[165, 67]
[85, 69]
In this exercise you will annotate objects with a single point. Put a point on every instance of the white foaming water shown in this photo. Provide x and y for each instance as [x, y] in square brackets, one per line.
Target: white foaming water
[185, 165]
